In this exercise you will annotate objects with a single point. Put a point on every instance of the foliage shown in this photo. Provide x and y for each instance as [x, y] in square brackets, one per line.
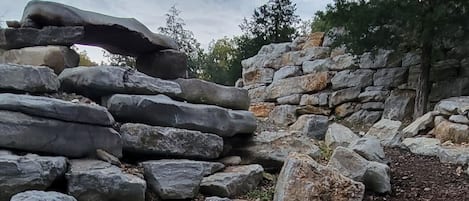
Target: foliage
[326, 151]
[85, 59]
[217, 62]
[119, 60]
[184, 38]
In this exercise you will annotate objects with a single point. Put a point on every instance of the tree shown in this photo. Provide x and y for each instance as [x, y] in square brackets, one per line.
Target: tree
[184, 38]
[217, 62]
[85, 60]
[119, 60]
[401, 25]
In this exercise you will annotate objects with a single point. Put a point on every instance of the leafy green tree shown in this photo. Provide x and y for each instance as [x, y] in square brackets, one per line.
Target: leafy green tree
[217, 62]
[119, 60]
[401, 25]
[85, 59]
[185, 39]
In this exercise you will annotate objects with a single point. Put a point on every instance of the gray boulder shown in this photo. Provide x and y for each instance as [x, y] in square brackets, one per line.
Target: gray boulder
[312, 126]
[165, 64]
[166, 141]
[233, 181]
[55, 57]
[215, 198]
[268, 56]
[321, 99]
[387, 131]
[343, 62]
[20, 173]
[347, 78]
[378, 95]
[257, 94]
[339, 135]
[30, 133]
[302, 178]
[42, 196]
[204, 118]
[373, 106]
[289, 100]
[364, 117]
[411, 59]
[297, 85]
[286, 72]
[381, 59]
[315, 66]
[98, 81]
[423, 145]
[203, 92]
[390, 77]
[90, 180]
[138, 38]
[177, 179]
[348, 163]
[369, 148]
[399, 105]
[453, 105]
[461, 119]
[377, 177]
[283, 115]
[454, 155]
[39, 79]
[56, 109]
[49, 35]
[343, 95]
[420, 124]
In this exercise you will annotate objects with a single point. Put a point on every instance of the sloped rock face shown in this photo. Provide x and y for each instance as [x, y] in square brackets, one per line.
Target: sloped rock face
[95, 82]
[204, 118]
[20, 173]
[166, 141]
[90, 180]
[138, 38]
[30, 133]
[38, 79]
[302, 178]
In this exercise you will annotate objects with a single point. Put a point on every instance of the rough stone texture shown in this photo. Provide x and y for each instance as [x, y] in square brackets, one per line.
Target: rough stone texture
[423, 145]
[377, 177]
[313, 126]
[49, 35]
[302, 178]
[258, 76]
[205, 118]
[138, 38]
[42, 196]
[316, 66]
[270, 149]
[348, 163]
[454, 105]
[90, 180]
[347, 78]
[368, 96]
[343, 62]
[439, 90]
[449, 131]
[308, 54]
[309, 109]
[411, 59]
[215, 198]
[297, 85]
[444, 70]
[339, 135]
[286, 72]
[261, 109]
[387, 131]
[369, 148]
[230, 160]
[461, 119]
[420, 124]
[291, 99]
[268, 56]
[203, 92]
[165, 64]
[390, 77]
[346, 109]
[382, 59]
[56, 109]
[321, 99]
[177, 179]
[399, 105]
[20, 173]
[364, 117]
[95, 82]
[233, 181]
[284, 115]
[343, 95]
[30, 133]
[55, 57]
[456, 155]
[377, 106]
[166, 141]
[23, 78]
[257, 94]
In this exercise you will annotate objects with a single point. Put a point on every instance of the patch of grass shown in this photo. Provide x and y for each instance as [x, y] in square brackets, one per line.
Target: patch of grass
[265, 191]
[326, 151]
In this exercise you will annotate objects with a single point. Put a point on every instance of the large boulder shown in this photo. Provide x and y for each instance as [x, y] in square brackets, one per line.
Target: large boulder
[342, 61]
[381, 59]
[23, 78]
[138, 38]
[364, 117]
[369, 148]
[268, 56]
[302, 178]
[454, 132]
[399, 105]
[283, 115]
[422, 123]
[38, 134]
[233, 181]
[177, 179]
[20, 173]
[297, 85]
[165, 64]
[90, 180]
[453, 105]
[55, 57]
[56, 109]
[343, 95]
[98, 81]
[390, 77]
[387, 131]
[171, 113]
[312, 126]
[203, 92]
[454, 155]
[339, 135]
[166, 141]
[286, 72]
[423, 145]
[348, 163]
[42, 196]
[347, 78]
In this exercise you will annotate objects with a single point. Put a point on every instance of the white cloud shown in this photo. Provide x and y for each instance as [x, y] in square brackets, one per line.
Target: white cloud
[207, 19]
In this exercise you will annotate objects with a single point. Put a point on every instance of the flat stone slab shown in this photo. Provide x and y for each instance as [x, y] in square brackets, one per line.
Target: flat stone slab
[233, 181]
[161, 110]
[56, 109]
[90, 180]
[129, 36]
[177, 179]
[20, 173]
[98, 81]
[203, 92]
[23, 78]
[32, 37]
[167, 141]
[42, 196]
[38, 134]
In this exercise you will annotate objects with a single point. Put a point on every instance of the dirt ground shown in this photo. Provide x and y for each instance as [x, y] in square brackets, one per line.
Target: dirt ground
[423, 178]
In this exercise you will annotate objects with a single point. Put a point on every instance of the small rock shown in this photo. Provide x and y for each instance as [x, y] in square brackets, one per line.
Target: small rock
[339, 135]
[420, 124]
[230, 160]
[41, 196]
[369, 148]
[313, 126]
[289, 100]
[377, 177]
[364, 117]
[461, 119]
[107, 157]
[387, 131]
[348, 163]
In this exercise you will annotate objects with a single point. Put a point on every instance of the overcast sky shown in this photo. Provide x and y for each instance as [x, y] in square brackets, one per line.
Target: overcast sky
[207, 19]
